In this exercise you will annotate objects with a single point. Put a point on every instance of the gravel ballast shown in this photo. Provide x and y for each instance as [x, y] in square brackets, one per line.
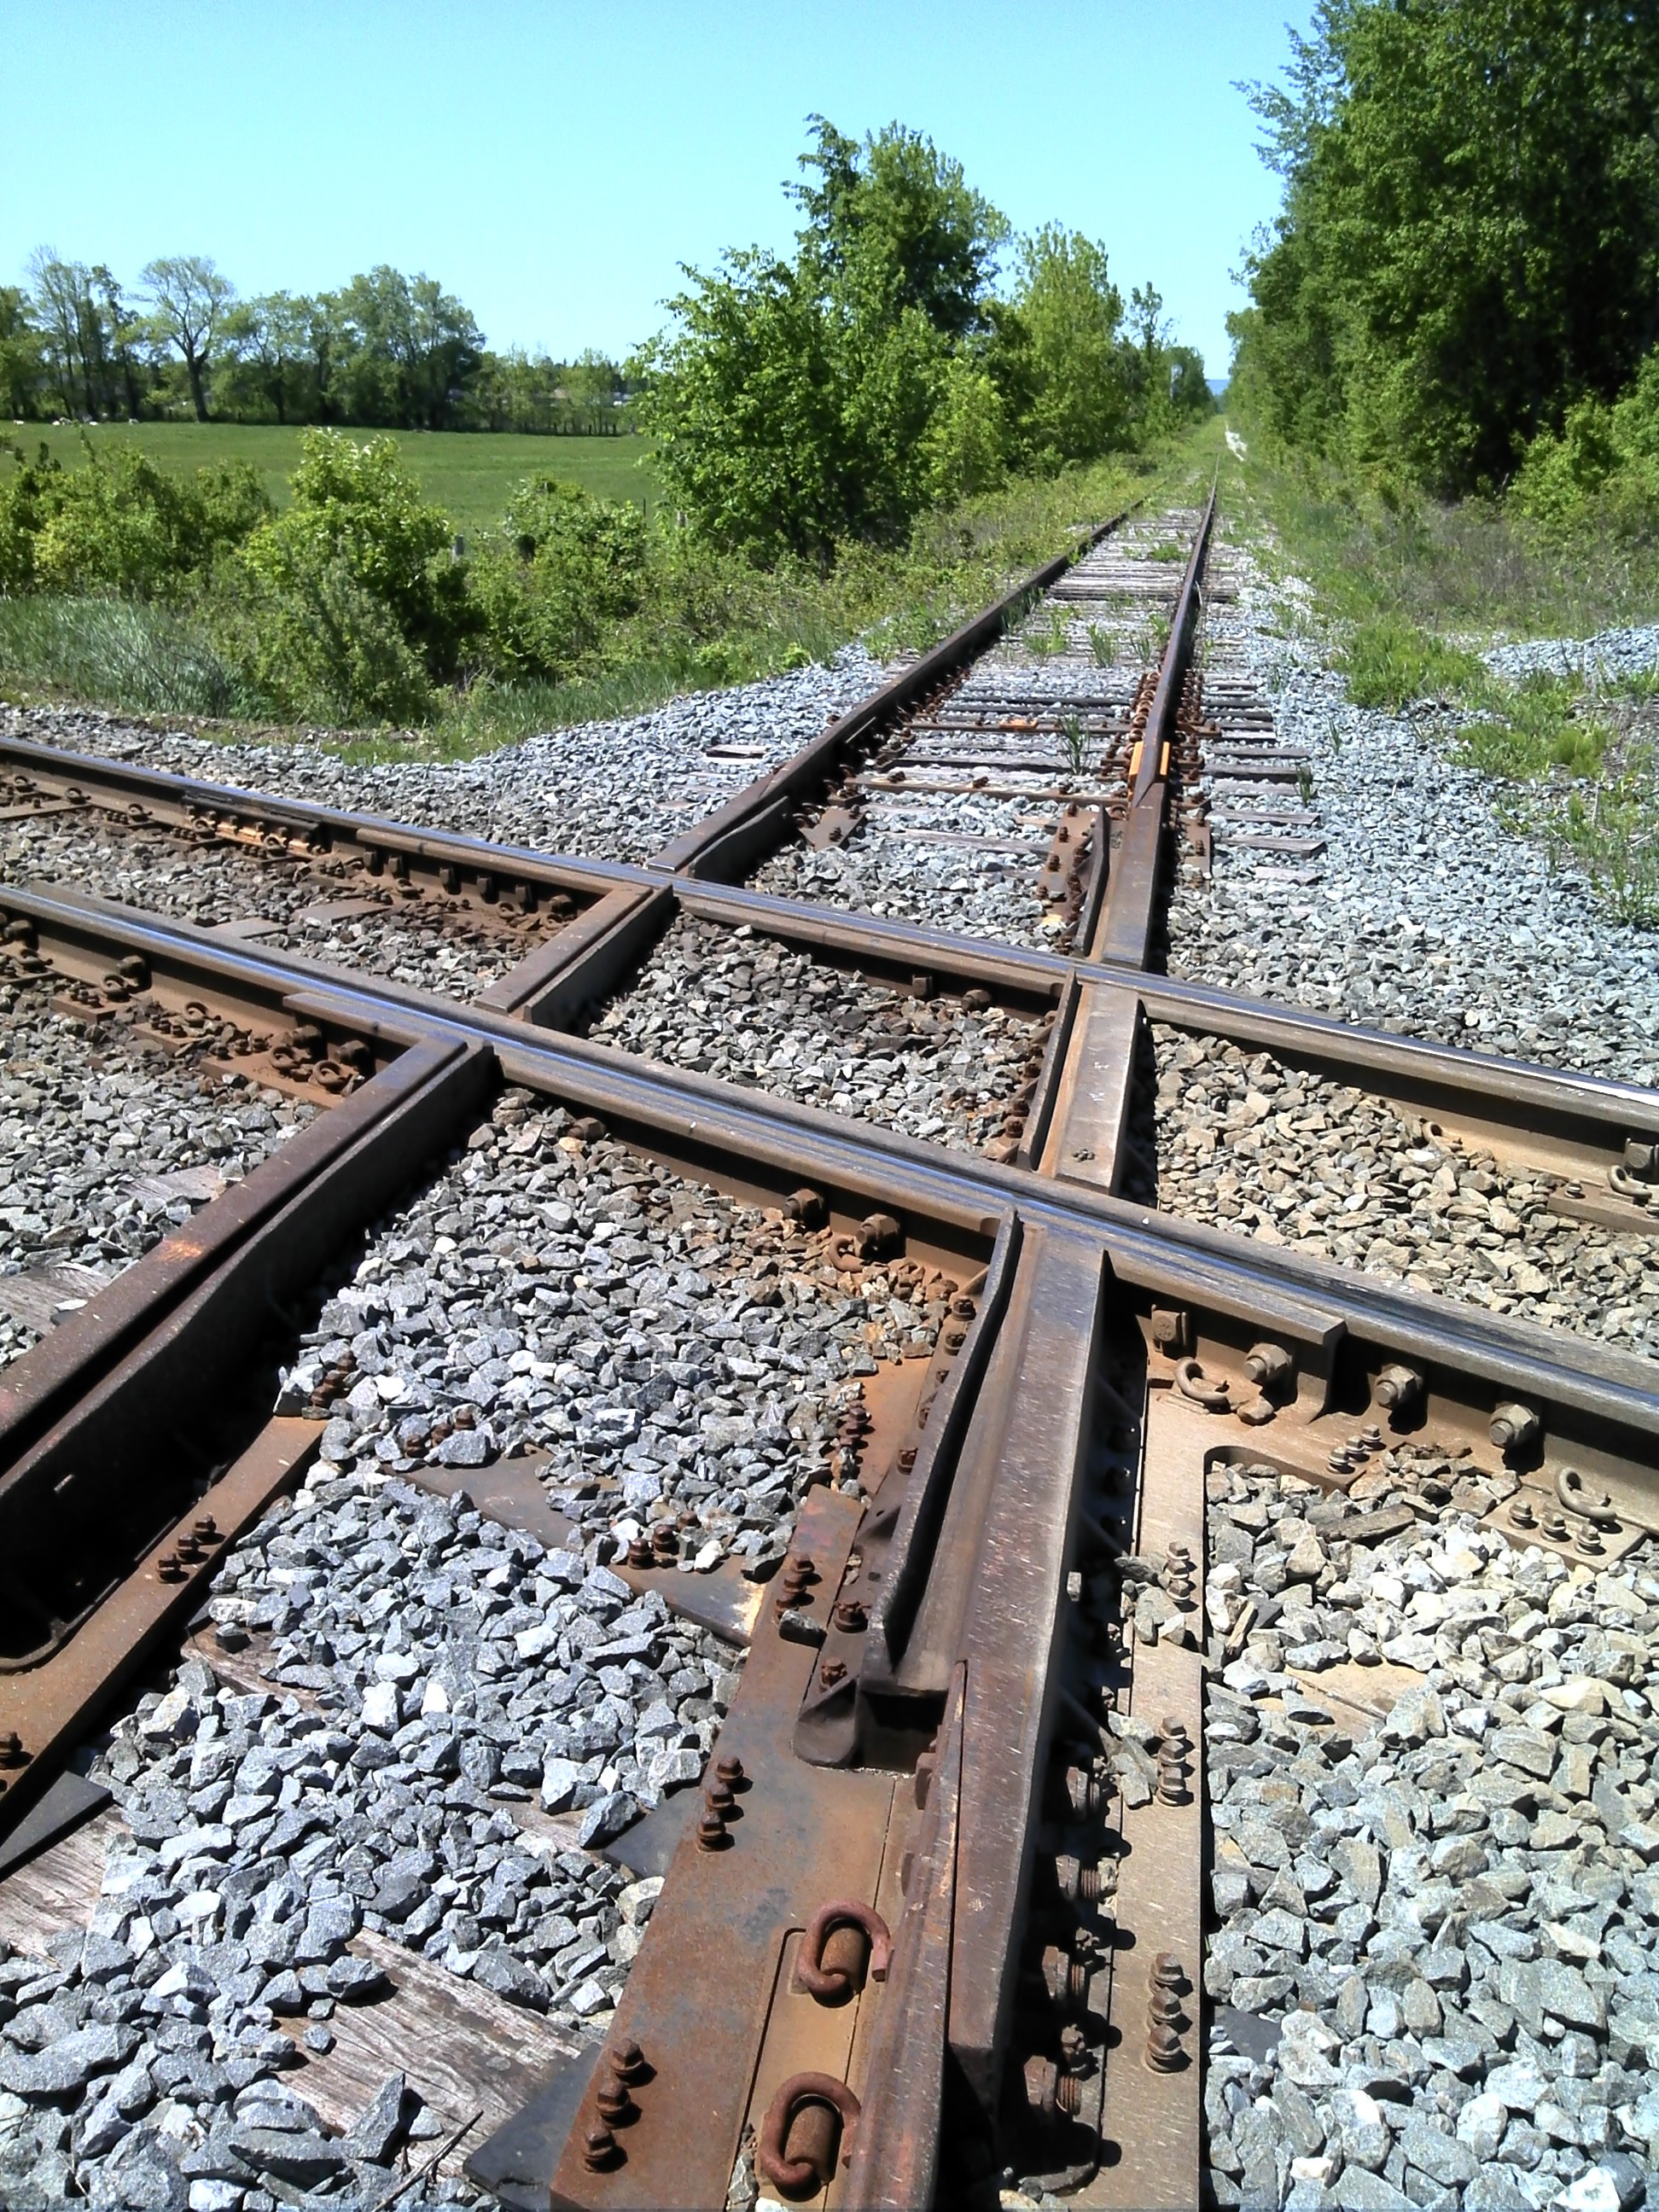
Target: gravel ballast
[618, 790]
[407, 941]
[730, 1004]
[458, 1715]
[1437, 1901]
[108, 1147]
[1424, 915]
[1284, 1156]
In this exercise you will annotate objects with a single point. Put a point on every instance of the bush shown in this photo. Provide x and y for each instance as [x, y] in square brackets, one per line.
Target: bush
[24, 497]
[358, 518]
[318, 645]
[122, 524]
[564, 568]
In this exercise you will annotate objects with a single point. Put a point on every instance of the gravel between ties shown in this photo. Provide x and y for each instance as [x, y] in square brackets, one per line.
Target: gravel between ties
[1442, 1915]
[211, 884]
[755, 1013]
[1424, 915]
[106, 1150]
[618, 790]
[458, 1714]
[1285, 1157]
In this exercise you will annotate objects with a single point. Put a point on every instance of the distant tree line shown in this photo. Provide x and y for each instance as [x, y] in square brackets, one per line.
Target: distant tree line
[384, 351]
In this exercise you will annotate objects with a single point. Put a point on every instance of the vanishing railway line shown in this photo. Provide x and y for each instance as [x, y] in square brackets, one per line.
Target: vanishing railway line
[935, 1910]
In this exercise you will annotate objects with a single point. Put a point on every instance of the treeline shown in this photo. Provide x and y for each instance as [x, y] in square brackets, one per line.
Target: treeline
[1461, 291]
[801, 402]
[384, 351]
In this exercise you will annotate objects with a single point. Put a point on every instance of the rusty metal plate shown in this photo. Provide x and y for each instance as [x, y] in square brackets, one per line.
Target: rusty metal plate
[1150, 2118]
[49, 1708]
[698, 1995]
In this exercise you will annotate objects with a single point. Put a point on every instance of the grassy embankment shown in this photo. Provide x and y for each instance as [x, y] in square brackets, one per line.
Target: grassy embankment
[1410, 594]
[707, 620]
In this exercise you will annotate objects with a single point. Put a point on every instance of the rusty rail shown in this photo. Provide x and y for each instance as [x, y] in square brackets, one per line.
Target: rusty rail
[918, 1906]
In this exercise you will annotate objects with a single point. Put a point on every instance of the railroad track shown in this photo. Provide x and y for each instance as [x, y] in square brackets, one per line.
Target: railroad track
[934, 1913]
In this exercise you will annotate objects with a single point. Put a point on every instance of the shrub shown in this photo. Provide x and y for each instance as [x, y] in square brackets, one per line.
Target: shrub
[563, 567]
[358, 518]
[25, 497]
[125, 525]
[319, 645]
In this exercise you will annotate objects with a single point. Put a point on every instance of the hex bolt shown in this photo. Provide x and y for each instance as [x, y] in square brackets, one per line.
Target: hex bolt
[1168, 1973]
[832, 1672]
[1513, 1427]
[711, 1833]
[850, 1615]
[169, 1567]
[1163, 2053]
[1522, 1514]
[613, 2101]
[719, 1799]
[664, 1543]
[1398, 1389]
[11, 1749]
[600, 2149]
[1163, 2009]
[1555, 1528]
[1073, 2047]
[1268, 1365]
[205, 1530]
[729, 1769]
[1589, 1542]
[639, 1553]
[627, 2060]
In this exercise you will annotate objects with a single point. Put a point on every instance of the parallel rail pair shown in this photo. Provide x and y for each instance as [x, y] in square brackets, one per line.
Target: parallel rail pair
[912, 1931]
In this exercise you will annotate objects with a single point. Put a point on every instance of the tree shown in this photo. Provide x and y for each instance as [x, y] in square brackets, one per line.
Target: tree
[188, 298]
[894, 224]
[1469, 242]
[793, 402]
[22, 355]
[1068, 313]
[266, 342]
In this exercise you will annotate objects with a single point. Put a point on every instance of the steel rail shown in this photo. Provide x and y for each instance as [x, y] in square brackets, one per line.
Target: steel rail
[698, 1119]
[728, 845]
[1096, 1317]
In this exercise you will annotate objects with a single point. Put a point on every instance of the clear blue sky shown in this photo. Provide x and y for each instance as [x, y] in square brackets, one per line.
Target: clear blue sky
[553, 163]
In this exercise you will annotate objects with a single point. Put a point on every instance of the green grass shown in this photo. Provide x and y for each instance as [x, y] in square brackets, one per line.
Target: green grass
[116, 652]
[468, 473]
[1388, 660]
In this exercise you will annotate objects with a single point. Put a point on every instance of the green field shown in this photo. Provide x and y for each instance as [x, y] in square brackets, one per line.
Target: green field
[468, 473]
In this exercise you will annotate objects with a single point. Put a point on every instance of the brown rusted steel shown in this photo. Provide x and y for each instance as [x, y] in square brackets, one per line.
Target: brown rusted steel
[833, 1983]
[1150, 2115]
[49, 1708]
[584, 962]
[895, 2163]
[36, 1388]
[798, 2151]
[114, 1457]
[1127, 926]
[761, 1146]
[698, 1995]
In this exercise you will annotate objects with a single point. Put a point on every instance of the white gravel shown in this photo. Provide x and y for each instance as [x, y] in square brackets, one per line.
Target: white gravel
[617, 790]
[1423, 914]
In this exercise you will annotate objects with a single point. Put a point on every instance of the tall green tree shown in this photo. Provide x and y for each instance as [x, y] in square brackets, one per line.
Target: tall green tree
[1066, 338]
[1469, 241]
[22, 355]
[188, 299]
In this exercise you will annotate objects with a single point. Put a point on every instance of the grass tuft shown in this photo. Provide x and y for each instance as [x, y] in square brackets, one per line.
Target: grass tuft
[117, 652]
